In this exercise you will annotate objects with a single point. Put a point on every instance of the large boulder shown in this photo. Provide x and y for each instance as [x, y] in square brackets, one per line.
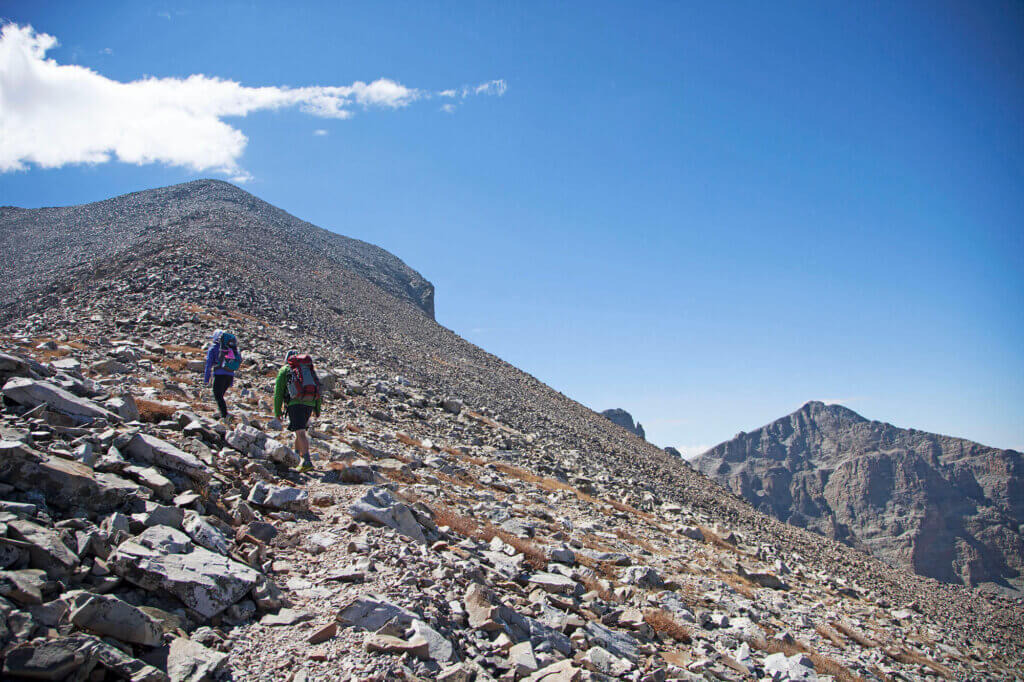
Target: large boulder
[379, 506]
[204, 581]
[125, 407]
[64, 484]
[12, 366]
[372, 612]
[112, 617]
[46, 549]
[277, 496]
[151, 450]
[189, 661]
[33, 392]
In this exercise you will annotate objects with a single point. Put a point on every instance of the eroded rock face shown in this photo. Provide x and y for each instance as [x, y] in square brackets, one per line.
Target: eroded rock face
[625, 420]
[943, 507]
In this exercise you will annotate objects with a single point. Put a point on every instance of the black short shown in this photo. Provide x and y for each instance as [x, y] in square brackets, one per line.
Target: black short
[298, 417]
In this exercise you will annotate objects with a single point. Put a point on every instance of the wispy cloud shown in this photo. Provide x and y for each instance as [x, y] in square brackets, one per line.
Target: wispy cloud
[57, 114]
[319, 132]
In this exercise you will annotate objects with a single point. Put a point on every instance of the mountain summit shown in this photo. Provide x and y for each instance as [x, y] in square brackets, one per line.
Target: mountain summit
[38, 245]
[941, 506]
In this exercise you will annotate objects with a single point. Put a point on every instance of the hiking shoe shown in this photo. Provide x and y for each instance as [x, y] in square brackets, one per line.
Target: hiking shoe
[304, 467]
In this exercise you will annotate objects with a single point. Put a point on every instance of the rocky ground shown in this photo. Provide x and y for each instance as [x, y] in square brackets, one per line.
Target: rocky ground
[438, 537]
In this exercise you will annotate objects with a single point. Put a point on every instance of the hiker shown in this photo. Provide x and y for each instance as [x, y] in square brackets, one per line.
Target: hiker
[298, 389]
[222, 360]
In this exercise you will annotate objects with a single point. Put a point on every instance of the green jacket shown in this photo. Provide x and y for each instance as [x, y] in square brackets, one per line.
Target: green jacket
[281, 393]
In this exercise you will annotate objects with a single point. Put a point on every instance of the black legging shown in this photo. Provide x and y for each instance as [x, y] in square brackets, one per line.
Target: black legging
[221, 384]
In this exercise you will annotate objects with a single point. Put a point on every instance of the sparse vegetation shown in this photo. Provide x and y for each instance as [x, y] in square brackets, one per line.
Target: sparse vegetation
[152, 411]
[664, 623]
[912, 657]
[463, 525]
[822, 664]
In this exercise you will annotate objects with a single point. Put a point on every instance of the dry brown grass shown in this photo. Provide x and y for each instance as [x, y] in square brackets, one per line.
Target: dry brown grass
[822, 664]
[855, 635]
[740, 584]
[594, 585]
[188, 350]
[913, 658]
[829, 633]
[713, 538]
[463, 525]
[624, 534]
[152, 411]
[174, 364]
[408, 440]
[401, 476]
[664, 623]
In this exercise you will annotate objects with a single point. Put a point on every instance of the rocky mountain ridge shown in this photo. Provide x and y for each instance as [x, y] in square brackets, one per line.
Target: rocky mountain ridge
[35, 243]
[943, 507]
[464, 521]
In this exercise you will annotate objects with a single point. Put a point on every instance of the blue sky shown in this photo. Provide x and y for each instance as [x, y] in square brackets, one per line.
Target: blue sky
[706, 214]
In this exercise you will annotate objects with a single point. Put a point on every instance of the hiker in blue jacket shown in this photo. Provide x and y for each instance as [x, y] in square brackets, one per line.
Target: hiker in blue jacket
[222, 359]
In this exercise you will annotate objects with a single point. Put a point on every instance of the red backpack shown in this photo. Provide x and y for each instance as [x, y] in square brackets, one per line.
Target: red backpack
[303, 383]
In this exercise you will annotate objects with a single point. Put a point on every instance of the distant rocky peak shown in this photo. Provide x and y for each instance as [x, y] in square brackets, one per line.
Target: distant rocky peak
[625, 420]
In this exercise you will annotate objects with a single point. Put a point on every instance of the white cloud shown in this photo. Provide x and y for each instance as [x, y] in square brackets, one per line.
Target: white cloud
[319, 132]
[497, 87]
[448, 108]
[57, 114]
[107, 50]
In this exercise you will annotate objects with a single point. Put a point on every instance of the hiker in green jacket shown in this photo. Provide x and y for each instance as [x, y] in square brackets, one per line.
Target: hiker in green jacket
[298, 389]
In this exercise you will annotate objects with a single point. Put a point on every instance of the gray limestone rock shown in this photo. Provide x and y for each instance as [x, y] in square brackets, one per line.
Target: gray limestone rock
[379, 506]
[278, 497]
[33, 392]
[204, 581]
[152, 450]
[111, 617]
[189, 661]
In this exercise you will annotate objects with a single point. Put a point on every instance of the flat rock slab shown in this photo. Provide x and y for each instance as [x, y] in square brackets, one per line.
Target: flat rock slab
[64, 484]
[152, 450]
[189, 661]
[286, 617]
[372, 612]
[46, 549]
[112, 617]
[204, 581]
[379, 506]
[33, 392]
[277, 496]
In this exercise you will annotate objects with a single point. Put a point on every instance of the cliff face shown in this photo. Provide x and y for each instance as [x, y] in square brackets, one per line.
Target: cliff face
[943, 507]
[625, 420]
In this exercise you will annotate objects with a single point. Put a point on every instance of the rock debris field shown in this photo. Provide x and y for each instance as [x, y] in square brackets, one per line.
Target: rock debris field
[452, 529]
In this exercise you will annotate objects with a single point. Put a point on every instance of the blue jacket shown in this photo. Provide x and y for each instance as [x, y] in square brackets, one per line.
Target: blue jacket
[212, 357]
